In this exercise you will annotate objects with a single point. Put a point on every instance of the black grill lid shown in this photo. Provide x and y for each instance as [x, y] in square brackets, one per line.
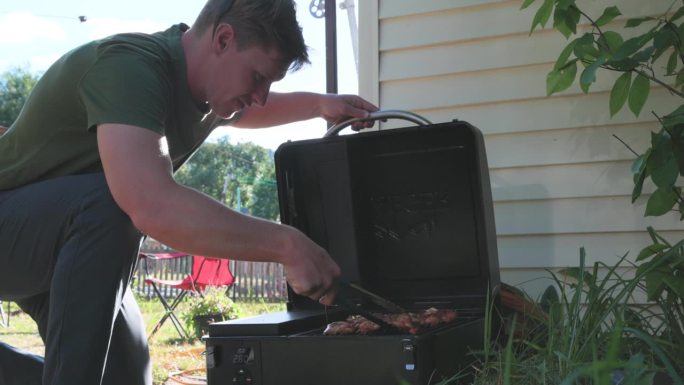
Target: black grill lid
[406, 212]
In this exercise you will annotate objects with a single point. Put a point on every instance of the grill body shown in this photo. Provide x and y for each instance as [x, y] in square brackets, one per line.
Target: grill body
[408, 214]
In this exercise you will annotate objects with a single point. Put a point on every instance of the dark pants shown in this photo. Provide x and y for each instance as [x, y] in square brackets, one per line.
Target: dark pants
[67, 254]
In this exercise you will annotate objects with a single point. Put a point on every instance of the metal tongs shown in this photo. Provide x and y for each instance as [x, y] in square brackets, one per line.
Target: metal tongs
[343, 300]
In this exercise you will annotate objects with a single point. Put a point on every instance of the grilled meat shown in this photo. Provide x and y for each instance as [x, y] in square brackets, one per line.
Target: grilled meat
[408, 322]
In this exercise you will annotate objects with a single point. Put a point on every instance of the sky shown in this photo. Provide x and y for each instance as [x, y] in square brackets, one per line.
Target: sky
[37, 32]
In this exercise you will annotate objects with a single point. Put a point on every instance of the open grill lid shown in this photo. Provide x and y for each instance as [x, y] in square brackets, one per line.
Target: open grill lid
[406, 212]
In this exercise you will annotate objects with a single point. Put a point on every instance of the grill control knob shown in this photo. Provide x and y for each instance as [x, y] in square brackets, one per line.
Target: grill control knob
[243, 377]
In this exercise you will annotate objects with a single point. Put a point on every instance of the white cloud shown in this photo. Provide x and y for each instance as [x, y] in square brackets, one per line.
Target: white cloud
[25, 27]
[100, 28]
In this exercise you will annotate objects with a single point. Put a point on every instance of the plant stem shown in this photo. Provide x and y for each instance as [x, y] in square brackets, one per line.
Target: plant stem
[626, 145]
[593, 23]
[656, 80]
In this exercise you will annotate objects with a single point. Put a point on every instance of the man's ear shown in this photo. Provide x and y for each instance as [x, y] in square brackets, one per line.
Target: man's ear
[224, 36]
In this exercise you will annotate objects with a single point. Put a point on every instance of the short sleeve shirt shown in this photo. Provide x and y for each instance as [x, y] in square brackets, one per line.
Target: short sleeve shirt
[135, 79]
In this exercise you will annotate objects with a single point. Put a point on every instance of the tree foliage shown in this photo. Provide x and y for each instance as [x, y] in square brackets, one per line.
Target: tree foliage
[15, 87]
[661, 264]
[637, 59]
[222, 169]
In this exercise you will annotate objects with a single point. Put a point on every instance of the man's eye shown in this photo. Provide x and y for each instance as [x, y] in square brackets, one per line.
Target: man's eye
[258, 78]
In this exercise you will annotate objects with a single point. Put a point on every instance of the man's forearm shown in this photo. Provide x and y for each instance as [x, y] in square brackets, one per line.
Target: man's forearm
[190, 221]
[281, 108]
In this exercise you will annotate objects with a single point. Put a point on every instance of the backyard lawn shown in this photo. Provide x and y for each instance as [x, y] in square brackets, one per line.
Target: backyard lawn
[169, 353]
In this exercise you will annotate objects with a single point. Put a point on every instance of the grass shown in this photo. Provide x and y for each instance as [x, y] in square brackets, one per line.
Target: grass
[170, 354]
[585, 331]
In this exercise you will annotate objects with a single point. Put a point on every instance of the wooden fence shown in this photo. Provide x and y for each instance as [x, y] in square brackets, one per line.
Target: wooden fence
[253, 280]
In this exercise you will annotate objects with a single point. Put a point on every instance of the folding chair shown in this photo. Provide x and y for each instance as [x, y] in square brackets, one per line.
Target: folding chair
[206, 272]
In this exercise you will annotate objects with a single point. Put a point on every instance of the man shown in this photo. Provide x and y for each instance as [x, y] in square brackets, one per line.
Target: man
[87, 168]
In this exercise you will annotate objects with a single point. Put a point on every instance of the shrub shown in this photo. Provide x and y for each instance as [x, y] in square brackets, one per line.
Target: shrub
[213, 306]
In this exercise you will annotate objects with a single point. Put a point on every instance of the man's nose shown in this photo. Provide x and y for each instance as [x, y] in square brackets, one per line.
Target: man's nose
[260, 94]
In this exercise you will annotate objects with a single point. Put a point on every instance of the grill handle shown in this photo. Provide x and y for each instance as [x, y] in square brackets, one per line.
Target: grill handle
[377, 115]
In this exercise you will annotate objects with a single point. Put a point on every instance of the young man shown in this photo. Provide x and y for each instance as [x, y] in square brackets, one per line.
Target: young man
[87, 169]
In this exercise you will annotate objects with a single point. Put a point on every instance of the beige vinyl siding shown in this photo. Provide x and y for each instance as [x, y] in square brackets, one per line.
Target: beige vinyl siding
[560, 178]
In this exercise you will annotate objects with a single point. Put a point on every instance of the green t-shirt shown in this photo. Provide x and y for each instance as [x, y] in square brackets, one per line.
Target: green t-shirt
[135, 79]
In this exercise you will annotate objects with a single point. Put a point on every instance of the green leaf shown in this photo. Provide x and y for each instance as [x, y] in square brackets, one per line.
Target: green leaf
[654, 285]
[638, 185]
[608, 15]
[564, 55]
[650, 250]
[584, 48]
[635, 22]
[585, 87]
[661, 149]
[632, 45]
[665, 176]
[566, 4]
[549, 298]
[559, 23]
[638, 94]
[673, 118]
[577, 274]
[679, 80]
[644, 55]
[613, 40]
[589, 74]
[640, 172]
[543, 14]
[565, 19]
[619, 93]
[559, 80]
[640, 162]
[660, 202]
[663, 39]
[676, 284]
[624, 65]
[672, 63]
[526, 4]
[678, 14]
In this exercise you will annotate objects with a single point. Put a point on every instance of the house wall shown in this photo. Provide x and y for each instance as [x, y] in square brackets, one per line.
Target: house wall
[560, 179]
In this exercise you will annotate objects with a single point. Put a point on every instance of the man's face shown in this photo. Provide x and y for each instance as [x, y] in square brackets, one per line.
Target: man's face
[241, 78]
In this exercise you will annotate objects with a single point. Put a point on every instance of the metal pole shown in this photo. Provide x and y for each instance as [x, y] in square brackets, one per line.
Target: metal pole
[350, 7]
[331, 46]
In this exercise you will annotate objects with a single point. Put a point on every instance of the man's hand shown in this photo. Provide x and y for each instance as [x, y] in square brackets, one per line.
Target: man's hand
[283, 108]
[338, 108]
[310, 271]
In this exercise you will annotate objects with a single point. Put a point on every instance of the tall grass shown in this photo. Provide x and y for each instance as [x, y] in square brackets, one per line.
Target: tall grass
[588, 333]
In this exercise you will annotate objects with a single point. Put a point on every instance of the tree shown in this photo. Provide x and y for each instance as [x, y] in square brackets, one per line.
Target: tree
[15, 87]
[660, 266]
[222, 169]
[636, 59]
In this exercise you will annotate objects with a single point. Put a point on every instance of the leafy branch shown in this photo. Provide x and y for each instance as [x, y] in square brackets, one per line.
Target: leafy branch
[604, 49]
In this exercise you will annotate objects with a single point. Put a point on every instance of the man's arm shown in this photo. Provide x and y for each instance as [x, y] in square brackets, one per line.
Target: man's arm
[283, 108]
[139, 175]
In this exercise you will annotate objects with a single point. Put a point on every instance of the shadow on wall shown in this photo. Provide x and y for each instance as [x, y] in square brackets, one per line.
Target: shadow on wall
[524, 226]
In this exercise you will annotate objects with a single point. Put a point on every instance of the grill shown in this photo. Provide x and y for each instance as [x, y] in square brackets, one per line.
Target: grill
[407, 213]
